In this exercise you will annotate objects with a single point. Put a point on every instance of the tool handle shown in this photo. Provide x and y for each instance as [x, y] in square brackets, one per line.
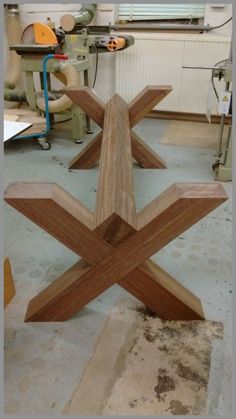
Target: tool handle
[61, 56]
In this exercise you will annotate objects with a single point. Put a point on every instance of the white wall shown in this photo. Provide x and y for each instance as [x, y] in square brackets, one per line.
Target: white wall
[216, 15]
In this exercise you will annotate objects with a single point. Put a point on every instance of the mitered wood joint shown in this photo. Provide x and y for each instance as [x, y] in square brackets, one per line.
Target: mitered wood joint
[115, 242]
[140, 106]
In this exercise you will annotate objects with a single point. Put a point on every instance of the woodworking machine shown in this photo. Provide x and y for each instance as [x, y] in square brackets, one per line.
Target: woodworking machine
[75, 40]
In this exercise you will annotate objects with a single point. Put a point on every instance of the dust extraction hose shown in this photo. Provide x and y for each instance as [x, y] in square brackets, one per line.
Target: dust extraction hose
[63, 103]
[83, 17]
[14, 37]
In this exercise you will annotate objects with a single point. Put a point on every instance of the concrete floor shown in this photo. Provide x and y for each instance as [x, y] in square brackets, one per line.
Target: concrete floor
[44, 362]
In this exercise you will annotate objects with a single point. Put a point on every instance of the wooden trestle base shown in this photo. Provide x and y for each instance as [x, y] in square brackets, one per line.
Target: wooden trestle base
[115, 242]
[142, 104]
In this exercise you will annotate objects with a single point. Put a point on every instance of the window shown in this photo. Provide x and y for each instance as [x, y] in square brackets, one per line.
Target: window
[144, 12]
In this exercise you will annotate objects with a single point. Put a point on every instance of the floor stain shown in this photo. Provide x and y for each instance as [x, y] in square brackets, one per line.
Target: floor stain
[165, 383]
[212, 261]
[37, 363]
[175, 254]
[133, 403]
[189, 374]
[35, 274]
[177, 408]
[193, 257]
[196, 247]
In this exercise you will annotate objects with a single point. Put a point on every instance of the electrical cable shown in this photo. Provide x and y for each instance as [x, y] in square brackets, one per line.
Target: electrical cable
[61, 122]
[96, 70]
[220, 26]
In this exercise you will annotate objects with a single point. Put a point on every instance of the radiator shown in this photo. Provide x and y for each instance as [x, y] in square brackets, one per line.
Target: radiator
[158, 59]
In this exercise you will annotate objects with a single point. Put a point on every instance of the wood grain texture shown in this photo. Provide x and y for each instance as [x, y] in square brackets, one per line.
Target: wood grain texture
[162, 293]
[115, 194]
[141, 152]
[60, 214]
[9, 287]
[179, 208]
[88, 101]
[89, 156]
[145, 101]
[54, 303]
[144, 155]
[138, 108]
[115, 242]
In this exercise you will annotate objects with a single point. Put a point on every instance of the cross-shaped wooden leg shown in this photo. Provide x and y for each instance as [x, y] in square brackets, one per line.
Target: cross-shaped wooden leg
[115, 242]
[87, 100]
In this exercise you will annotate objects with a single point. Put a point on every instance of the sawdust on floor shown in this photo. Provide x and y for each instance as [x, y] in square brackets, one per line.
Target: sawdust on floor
[160, 368]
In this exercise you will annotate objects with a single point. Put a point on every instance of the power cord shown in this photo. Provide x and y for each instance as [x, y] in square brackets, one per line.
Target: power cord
[61, 122]
[96, 71]
[220, 26]
[212, 77]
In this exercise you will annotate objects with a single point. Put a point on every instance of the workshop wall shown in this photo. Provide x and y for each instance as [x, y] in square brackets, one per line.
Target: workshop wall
[215, 15]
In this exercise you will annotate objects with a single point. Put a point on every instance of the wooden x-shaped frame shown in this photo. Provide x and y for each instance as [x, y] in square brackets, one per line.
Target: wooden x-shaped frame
[115, 242]
[140, 106]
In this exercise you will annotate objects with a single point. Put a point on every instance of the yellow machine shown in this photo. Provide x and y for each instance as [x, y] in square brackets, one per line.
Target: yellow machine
[76, 39]
[44, 35]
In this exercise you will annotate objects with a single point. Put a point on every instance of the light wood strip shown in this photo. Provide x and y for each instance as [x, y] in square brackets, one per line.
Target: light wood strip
[9, 287]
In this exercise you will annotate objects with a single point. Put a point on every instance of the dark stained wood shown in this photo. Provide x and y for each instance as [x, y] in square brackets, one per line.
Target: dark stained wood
[54, 302]
[89, 156]
[115, 188]
[162, 293]
[149, 283]
[145, 101]
[138, 108]
[176, 210]
[60, 214]
[115, 242]
[88, 101]
[144, 155]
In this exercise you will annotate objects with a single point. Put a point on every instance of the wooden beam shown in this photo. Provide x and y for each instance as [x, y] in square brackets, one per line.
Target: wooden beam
[115, 196]
[145, 101]
[149, 283]
[89, 156]
[144, 155]
[141, 152]
[162, 293]
[174, 211]
[46, 306]
[60, 214]
[138, 108]
[88, 101]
